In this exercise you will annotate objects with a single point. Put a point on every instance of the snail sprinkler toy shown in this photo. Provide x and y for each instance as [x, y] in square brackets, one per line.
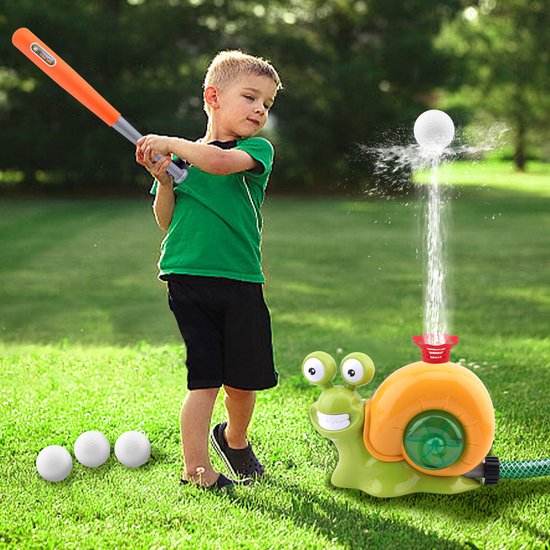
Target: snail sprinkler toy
[428, 428]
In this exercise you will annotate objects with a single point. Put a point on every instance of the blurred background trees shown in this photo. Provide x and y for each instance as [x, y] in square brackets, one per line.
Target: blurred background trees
[501, 70]
[352, 71]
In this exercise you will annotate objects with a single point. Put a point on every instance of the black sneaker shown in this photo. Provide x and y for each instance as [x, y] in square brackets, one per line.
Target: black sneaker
[222, 483]
[241, 462]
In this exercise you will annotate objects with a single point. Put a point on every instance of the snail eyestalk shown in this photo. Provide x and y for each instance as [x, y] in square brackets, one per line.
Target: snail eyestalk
[319, 369]
[435, 353]
[357, 370]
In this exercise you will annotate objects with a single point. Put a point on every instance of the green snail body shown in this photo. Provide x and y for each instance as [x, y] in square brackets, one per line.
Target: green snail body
[339, 415]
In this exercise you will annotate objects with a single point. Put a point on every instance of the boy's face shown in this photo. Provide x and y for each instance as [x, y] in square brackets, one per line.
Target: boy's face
[243, 107]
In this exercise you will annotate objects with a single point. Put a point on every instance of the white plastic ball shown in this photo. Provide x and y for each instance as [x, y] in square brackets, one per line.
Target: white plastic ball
[54, 463]
[132, 449]
[434, 130]
[92, 449]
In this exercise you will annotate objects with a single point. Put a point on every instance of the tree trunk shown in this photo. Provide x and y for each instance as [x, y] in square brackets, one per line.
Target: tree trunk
[520, 156]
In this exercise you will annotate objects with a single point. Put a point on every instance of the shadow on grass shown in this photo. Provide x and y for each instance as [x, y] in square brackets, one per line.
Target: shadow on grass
[335, 519]
[488, 504]
[492, 501]
[537, 532]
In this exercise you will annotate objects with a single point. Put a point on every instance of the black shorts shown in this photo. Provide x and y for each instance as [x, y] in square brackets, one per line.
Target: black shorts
[226, 327]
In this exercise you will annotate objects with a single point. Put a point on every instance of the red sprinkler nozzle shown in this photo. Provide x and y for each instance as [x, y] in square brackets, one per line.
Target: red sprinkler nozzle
[435, 353]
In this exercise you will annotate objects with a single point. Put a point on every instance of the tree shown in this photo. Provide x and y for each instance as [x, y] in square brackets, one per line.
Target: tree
[352, 70]
[501, 52]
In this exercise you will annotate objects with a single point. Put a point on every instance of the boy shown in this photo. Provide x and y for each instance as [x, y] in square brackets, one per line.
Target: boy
[211, 261]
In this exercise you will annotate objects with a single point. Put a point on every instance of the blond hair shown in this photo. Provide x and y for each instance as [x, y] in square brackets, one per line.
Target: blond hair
[229, 65]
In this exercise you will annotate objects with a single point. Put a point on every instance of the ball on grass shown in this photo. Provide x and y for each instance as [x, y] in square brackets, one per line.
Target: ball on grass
[54, 463]
[92, 449]
[434, 130]
[133, 449]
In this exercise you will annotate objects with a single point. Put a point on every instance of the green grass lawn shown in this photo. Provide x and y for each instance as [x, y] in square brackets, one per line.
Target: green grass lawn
[497, 174]
[87, 342]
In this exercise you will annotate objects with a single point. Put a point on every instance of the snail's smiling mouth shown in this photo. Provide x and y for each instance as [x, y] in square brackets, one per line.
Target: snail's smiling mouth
[333, 422]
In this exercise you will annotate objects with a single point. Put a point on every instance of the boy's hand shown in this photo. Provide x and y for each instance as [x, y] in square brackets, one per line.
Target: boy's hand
[160, 145]
[157, 169]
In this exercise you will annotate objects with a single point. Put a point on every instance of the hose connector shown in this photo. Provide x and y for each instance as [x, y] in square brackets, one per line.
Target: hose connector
[488, 471]
[492, 470]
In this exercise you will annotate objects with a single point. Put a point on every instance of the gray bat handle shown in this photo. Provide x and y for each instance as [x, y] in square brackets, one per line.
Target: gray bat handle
[130, 133]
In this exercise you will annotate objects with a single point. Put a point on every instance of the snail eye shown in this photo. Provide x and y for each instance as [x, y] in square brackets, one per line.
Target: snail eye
[352, 371]
[357, 369]
[313, 370]
[319, 368]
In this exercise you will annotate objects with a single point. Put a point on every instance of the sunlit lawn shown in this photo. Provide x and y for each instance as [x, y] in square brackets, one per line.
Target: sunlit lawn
[498, 174]
[88, 343]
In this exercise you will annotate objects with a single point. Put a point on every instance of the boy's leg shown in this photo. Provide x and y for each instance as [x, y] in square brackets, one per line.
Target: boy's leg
[229, 438]
[195, 417]
[240, 406]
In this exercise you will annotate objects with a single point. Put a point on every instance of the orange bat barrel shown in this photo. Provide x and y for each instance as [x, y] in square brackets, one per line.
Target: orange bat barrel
[59, 71]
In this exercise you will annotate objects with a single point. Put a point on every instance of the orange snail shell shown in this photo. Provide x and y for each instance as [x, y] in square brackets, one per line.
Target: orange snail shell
[422, 387]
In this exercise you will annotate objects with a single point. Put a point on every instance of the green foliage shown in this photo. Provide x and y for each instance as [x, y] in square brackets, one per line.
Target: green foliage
[501, 67]
[351, 70]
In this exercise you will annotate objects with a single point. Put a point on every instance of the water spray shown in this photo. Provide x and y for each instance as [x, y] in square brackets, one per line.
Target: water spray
[434, 131]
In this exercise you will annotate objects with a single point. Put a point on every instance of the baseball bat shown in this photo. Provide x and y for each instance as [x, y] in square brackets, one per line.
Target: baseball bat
[64, 75]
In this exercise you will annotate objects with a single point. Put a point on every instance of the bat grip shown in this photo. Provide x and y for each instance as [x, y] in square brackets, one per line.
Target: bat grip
[179, 174]
[130, 133]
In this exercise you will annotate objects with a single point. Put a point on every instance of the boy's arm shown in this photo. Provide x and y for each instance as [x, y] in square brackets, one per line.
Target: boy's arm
[163, 206]
[208, 158]
[165, 200]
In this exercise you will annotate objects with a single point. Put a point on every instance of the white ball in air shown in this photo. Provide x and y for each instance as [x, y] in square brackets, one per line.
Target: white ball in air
[434, 130]
[132, 449]
[92, 449]
[54, 463]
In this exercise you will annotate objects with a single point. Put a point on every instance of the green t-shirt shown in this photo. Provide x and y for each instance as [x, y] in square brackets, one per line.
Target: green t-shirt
[217, 223]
